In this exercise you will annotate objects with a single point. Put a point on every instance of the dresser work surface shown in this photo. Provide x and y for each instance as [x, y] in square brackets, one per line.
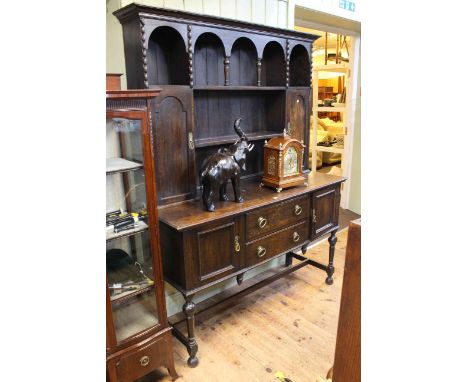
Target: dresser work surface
[190, 214]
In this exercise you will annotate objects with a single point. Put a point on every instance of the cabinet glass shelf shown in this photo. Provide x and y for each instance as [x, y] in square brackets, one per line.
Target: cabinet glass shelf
[140, 226]
[122, 297]
[115, 165]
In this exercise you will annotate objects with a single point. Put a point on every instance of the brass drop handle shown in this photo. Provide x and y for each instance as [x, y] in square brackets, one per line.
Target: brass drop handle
[297, 209]
[296, 237]
[314, 217]
[261, 251]
[261, 222]
[144, 361]
[236, 244]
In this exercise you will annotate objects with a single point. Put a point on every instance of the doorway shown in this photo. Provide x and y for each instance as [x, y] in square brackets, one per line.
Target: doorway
[335, 57]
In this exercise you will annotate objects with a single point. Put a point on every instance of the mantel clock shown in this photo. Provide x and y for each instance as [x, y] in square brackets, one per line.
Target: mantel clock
[282, 161]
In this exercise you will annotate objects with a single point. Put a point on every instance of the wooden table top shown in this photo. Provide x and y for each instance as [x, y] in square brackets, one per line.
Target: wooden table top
[187, 215]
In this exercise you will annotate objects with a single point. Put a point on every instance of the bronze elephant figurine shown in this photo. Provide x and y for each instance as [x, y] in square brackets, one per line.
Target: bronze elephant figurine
[224, 165]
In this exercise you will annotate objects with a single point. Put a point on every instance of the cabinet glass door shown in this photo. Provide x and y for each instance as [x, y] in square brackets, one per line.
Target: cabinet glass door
[129, 259]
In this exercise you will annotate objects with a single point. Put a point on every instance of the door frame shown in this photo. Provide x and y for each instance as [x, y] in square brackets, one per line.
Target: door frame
[313, 19]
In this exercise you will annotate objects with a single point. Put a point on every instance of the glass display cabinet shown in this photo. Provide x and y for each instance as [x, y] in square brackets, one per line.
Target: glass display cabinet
[138, 337]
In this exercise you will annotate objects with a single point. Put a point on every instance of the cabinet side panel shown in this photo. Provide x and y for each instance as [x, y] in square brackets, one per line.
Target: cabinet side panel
[133, 54]
[172, 254]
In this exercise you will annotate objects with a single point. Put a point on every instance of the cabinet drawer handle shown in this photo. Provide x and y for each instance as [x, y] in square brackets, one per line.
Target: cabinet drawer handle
[314, 217]
[236, 244]
[296, 237]
[297, 209]
[261, 222]
[144, 361]
[261, 251]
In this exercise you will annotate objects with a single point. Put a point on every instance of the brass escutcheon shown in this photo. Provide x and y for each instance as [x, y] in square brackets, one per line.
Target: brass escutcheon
[144, 361]
[191, 143]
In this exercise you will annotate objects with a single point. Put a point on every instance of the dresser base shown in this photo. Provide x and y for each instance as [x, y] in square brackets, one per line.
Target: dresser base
[189, 308]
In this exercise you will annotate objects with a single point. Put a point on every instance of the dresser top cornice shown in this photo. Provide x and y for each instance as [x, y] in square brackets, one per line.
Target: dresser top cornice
[188, 215]
[141, 10]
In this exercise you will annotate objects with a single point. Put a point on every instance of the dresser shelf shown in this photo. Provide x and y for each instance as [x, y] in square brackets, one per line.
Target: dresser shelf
[215, 141]
[234, 88]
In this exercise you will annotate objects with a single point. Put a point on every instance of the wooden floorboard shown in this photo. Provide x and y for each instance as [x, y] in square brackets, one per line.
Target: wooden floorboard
[289, 325]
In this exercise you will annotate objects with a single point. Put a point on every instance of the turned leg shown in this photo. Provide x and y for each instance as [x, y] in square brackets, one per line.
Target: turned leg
[192, 346]
[331, 253]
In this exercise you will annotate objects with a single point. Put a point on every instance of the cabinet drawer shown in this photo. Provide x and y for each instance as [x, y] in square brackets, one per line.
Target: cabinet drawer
[280, 215]
[276, 243]
[144, 359]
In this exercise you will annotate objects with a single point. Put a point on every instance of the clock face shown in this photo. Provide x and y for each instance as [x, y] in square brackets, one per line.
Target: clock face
[290, 165]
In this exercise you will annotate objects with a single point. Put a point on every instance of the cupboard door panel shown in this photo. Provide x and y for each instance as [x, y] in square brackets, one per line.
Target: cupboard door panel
[325, 209]
[172, 128]
[213, 252]
[298, 117]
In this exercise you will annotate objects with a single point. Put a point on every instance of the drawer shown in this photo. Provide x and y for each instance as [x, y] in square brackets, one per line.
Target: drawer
[280, 215]
[144, 359]
[276, 243]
